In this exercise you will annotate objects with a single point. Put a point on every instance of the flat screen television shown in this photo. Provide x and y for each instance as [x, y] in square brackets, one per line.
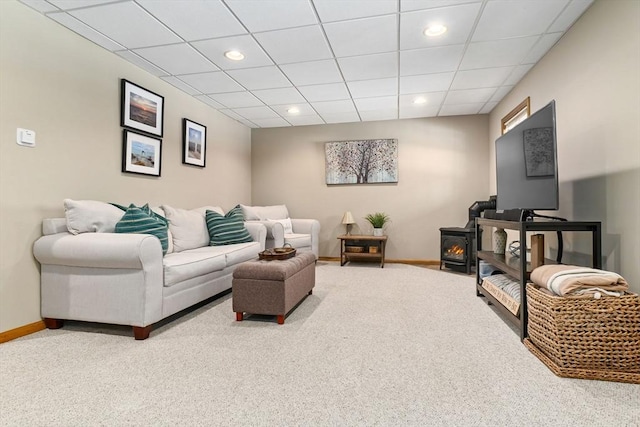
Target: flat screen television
[526, 164]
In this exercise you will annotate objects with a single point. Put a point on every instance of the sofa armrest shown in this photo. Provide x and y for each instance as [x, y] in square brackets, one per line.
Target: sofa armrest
[305, 226]
[275, 233]
[308, 226]
[258, 232]
[100, 250]
[101, 277]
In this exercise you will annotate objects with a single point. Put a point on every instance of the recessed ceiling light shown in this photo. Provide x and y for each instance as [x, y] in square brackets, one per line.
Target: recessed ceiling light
[293, 110]
[234, 55]
[420, 100]
[435, 30]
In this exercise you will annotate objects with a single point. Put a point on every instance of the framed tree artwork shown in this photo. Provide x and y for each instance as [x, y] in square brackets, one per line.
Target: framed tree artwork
[141, 154]
[194, 143]
[141, 110]
[367, 161]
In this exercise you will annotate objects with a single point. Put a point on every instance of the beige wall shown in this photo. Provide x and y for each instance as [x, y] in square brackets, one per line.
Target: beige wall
[442, 170]
[67, 90]
[593, 73]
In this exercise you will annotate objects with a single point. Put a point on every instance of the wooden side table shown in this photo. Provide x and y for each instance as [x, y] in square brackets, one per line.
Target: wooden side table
[372, 248]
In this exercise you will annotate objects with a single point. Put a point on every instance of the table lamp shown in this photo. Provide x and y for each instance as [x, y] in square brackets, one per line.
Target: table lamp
[347, 219]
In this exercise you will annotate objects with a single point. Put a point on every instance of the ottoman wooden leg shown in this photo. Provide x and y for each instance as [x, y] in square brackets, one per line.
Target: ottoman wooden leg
[311, 292]
[239, 316]
[280, 318]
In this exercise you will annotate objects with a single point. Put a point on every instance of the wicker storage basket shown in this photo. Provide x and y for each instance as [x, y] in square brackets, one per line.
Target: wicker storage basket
[586, 337]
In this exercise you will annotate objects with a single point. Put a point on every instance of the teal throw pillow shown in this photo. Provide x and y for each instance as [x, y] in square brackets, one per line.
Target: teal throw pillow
[146, 209]
[227, 229]
[139, 221]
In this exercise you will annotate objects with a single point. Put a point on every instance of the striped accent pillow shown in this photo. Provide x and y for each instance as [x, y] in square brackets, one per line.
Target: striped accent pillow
[137, 220]
[227, 229]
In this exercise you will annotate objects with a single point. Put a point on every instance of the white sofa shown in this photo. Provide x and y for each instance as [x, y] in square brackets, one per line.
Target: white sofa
[302, 234]
[90, 273]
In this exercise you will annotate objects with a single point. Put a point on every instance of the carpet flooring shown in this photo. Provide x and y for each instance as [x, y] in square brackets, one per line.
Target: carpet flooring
[397, 346]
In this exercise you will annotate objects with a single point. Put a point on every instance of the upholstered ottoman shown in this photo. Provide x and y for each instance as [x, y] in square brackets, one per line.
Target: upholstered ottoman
[273, 287]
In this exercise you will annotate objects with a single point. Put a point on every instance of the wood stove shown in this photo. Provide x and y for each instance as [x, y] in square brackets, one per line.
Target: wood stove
[457, 248]
[458, 244]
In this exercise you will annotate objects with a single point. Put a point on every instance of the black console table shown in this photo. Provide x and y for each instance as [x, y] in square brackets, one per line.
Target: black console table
[518, 267]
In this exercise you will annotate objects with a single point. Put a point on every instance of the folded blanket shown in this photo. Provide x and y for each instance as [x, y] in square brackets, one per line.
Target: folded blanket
[573, 280]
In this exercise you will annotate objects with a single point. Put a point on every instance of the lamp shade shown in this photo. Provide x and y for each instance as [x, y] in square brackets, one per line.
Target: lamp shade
[347, 218]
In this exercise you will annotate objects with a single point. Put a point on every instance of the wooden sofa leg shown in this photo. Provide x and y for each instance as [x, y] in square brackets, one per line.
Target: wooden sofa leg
[53, 323]
[141, 332]
[239, 316]
[280, 318]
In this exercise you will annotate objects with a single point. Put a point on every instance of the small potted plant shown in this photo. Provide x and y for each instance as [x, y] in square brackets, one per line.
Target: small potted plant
[378, 220]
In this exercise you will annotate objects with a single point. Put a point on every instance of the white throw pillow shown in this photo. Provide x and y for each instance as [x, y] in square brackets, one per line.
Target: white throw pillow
[188, 227]
[286, 224]
[91, 216]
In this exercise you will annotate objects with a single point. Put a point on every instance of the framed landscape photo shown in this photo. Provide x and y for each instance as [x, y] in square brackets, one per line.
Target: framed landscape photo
[141, 154]
[142, 110]
[194, 143]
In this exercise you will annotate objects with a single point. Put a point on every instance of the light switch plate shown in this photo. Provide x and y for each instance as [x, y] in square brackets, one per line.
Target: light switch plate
[26, 137]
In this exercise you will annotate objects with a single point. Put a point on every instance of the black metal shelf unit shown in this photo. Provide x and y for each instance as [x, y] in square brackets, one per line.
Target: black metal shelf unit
[518, 267]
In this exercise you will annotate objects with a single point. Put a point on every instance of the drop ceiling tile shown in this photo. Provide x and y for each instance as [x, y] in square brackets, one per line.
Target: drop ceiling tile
[233, 115]
[287, 95]
[85, 31]
[295, 44]
[260, 78]
[177, 59]
[469, 96]
[180, 85]
[74, 4]
[374, 115]
[261, 15]
[142, 63]
[305, 120]
[346, 117]
[517, 74]
[507, 19]
[215, 49]
[237, 99]
[303, 108]
[370, 88]
[486, 77]
[368, 67]
[311, 73]
[331, 107]
[408, 5]
[40, 5]
[215, 82]
[426, 83]
[461, 109]
[430, 60]
[459, 21]
[377, 103]
[410, 112]
[498, 53]
[545, 43]
[568, 16]
[127, 24]
[195, 22]
[325, 92]
[238, 118]
[207, 100]
[271, 123]
[253, 113]
[363, 36]
[488, 107]
[500, 93]
[331, 10]
[433, 100]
